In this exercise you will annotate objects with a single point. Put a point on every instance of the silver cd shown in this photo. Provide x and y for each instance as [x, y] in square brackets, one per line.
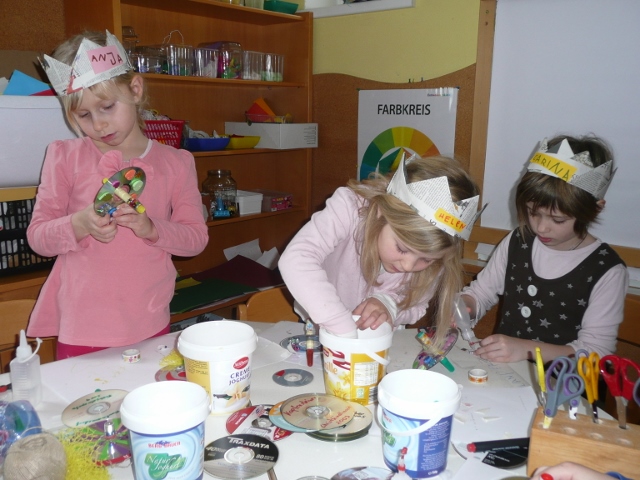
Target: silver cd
[293, 377]
[95, 407]
[358, 427]
[241, 456]
[315, 411]
[370, 473]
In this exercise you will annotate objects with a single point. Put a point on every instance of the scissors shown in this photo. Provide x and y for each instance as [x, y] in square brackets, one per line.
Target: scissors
[567, 388]
[589, 371]
[542, 396]
[615, 371]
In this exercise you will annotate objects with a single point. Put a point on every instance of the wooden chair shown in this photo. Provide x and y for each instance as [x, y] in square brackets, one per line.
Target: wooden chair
[271, 306]
[14, 316]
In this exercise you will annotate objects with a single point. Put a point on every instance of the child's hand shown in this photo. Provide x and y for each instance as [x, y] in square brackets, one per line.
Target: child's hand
[568, 471]
[87, 222]
[139, 223]
[503, 349]
[372, 313]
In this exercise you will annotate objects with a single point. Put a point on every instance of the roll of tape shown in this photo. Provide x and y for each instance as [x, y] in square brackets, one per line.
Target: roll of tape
[131, 356]
[478, 375]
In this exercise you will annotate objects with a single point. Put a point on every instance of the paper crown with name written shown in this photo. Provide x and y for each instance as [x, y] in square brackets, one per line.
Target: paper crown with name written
[431, 199]
[576, 169]
[92, 64]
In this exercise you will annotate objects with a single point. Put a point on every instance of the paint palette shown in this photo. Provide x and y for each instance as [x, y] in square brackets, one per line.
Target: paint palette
[124, 186]
[430, 356]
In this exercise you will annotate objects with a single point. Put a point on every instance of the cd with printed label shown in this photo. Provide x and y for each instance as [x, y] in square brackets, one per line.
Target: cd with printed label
[94, 407]
[293, 377]
[358, 427]
[370, 473]
[255, 420]
[171, 373]
[275, 415]
[315, 411]
[240, 456]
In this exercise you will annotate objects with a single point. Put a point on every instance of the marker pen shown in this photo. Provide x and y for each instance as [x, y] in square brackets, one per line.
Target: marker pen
[506, 444]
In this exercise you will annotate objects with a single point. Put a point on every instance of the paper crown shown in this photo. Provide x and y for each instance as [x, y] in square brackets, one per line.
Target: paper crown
[576, 169]
[431, 199]
[92, 64]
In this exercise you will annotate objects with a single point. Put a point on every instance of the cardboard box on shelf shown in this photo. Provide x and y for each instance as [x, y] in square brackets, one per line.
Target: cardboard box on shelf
[277, 135]
[272, 200]
[249, 203]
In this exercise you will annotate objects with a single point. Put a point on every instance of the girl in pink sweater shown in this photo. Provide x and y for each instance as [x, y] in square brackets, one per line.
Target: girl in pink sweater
[113, 278]
[382, 248]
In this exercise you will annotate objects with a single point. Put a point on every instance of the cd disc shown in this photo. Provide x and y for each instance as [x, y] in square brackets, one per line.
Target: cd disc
[255, 420]
[293, 377]
[169, 373]
[358, 427]
[240, 456]
[317, 411]
[275, 415]
[298, 344]
[111, 440]
[95, 407]
[370, 473]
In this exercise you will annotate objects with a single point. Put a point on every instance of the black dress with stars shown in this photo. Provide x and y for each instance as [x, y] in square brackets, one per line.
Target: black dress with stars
[549, 311]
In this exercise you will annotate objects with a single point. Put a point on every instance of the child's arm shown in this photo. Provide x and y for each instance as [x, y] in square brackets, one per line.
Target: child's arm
[605, 313]
[500, 348]
[483, 292]
[302, 264]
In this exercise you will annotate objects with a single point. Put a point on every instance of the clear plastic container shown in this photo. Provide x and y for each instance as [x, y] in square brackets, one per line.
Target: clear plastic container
[179, 60]
[273, 67]
[206, 62]
[229, 60]
[252, 65]
[223, 191]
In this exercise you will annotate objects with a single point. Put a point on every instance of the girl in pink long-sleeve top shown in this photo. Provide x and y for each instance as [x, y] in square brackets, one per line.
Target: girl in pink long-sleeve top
[381, 248]
[113, 278]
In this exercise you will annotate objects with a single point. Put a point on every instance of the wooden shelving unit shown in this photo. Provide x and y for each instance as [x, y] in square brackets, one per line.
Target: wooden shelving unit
[207, 103]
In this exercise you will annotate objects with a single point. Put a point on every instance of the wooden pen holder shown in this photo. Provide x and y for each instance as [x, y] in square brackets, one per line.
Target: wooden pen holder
[604, 446]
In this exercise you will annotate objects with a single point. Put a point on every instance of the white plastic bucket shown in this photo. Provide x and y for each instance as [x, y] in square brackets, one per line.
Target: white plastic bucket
[353, 367]
[217, 356]
[416, 409]
[166, 427]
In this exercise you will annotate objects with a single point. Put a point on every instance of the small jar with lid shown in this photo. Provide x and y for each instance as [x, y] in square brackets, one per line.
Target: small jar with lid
[223, 191]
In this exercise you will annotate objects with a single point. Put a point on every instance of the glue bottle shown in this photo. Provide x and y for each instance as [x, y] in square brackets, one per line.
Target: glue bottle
[463, 322]
[24, 371]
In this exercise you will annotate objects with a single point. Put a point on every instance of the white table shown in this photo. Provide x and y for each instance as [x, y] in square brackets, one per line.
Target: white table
[299, 455]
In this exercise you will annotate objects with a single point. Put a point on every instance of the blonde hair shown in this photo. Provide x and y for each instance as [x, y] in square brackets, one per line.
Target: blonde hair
[109, 89]
[444, 277]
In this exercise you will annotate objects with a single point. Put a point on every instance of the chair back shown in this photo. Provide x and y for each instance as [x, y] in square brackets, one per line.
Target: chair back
[272, 305]
[14, 316]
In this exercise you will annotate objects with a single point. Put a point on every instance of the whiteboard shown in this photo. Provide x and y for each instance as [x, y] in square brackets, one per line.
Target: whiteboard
[569, 66]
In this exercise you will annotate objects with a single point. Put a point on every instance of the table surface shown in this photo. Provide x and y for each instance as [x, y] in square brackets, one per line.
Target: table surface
[299, 454]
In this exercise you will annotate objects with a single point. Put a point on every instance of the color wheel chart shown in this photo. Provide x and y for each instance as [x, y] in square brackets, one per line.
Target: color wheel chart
[385, 151]
[412, 121]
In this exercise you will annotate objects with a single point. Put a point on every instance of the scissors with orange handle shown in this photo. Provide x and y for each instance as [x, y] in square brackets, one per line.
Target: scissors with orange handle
[589, 370]
[615, 371]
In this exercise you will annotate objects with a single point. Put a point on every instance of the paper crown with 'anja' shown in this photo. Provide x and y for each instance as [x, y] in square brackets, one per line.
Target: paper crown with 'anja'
[431, 199]
[576, 169]
[92, 64]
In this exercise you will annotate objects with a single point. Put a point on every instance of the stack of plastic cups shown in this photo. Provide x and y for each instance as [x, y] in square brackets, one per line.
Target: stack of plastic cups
[273, 67]
[252, 65]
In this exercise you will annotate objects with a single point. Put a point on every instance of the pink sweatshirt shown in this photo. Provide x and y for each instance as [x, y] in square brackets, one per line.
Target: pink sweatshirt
[321, 268]
[118, 293]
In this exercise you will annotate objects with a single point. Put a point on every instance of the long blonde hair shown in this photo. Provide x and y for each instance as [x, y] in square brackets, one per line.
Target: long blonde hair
[444, 277]
[66, 53]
